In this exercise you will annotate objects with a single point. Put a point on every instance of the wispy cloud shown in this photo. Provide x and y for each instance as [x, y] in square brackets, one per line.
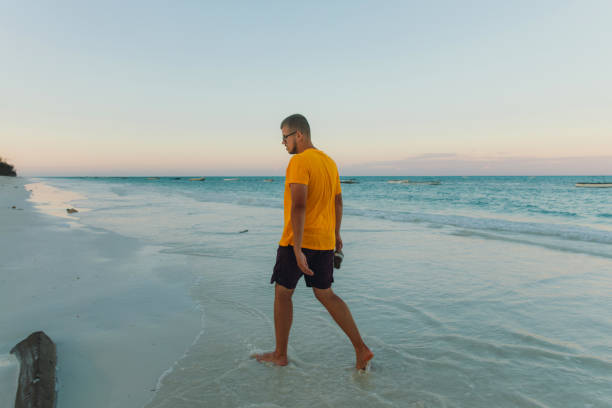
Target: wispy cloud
[440, 164]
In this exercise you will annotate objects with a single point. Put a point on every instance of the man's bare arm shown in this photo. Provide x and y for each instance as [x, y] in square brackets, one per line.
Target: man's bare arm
[299, 193]
[338, 204]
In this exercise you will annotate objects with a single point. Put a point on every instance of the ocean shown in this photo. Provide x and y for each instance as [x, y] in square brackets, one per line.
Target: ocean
[470, 291]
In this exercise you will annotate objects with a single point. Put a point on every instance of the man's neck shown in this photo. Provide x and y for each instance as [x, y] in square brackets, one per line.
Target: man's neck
[304, 148]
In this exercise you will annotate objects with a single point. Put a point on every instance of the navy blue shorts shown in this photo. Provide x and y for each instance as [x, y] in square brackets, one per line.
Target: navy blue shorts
[287, 273]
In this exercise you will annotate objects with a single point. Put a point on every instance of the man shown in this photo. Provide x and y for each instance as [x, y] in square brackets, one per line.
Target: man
[313, 213]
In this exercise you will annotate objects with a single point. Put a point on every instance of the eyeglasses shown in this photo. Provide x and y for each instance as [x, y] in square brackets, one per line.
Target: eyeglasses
[290, 134]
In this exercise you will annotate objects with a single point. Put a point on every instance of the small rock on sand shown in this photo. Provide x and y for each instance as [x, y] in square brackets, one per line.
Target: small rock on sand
[71, 210]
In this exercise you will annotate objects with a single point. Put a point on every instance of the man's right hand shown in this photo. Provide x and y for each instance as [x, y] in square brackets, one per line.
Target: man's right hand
[338, 242]
[302, 262]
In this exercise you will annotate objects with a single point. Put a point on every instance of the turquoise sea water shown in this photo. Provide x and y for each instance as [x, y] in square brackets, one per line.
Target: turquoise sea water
[540, 210]
[474, 292]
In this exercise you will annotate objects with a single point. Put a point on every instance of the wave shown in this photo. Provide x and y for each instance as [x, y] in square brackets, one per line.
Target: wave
[234, 198]
[552, 212]
[259, 202]
[536, 354]
[566, 232]
[120, 191]
[564, 248]
[559, 231]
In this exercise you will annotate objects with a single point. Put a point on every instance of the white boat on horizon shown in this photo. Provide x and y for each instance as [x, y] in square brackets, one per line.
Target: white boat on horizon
[431, 183]
[594, 185]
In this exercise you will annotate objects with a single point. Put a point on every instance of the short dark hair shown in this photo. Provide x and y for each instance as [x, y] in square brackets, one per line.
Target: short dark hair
[297, 122]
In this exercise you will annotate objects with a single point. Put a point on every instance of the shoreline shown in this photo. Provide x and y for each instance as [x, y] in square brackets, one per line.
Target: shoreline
[118, 310]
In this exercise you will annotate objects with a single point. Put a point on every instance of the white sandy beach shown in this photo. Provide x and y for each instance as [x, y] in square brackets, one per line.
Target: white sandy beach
[118, 311]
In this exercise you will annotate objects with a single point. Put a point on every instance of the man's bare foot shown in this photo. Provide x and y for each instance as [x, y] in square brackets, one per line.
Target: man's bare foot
[363, 358]
[272, 357]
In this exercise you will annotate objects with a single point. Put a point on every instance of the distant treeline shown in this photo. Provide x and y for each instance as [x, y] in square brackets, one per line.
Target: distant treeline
[6, 169]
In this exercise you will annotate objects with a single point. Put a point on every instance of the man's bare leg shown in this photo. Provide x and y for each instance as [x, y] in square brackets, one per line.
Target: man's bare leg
[342, 315]
[283, 317]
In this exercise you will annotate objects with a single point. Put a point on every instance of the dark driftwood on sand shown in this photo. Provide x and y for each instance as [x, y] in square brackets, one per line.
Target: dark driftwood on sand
[38, 358]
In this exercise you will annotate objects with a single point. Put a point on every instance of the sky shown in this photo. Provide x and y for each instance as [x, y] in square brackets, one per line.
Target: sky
[389, 87]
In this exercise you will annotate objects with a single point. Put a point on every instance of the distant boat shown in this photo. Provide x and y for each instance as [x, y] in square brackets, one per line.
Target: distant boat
[197, 179]
[230, 179]
[349, 181]
[431, 183]
[594, 185]
[152, 178]
[268, 180]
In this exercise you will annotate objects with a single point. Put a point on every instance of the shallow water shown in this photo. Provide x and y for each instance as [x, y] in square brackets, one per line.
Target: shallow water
[476, 292]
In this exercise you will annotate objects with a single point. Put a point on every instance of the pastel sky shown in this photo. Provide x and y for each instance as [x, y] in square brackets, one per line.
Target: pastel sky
[389, 87]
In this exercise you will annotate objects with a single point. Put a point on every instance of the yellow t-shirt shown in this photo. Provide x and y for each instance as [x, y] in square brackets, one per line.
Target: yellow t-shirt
[318, 171]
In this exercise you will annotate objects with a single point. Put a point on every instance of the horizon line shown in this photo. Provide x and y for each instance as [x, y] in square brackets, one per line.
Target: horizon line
[345, 176]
